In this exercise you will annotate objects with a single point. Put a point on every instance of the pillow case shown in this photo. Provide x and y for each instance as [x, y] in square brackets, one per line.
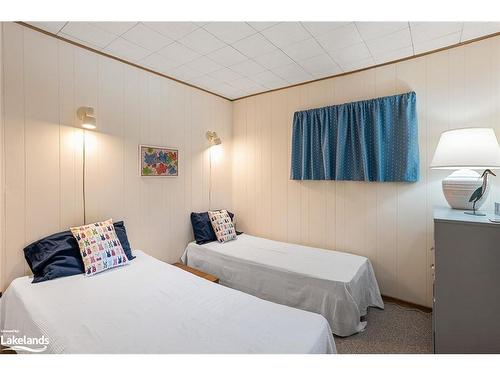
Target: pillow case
[58, 255]
[54, 256]
[121, 232]
[100, 247]
[202, 228]
[223, 225]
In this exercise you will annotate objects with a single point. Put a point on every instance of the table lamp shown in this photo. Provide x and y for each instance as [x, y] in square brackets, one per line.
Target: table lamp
[465, 150]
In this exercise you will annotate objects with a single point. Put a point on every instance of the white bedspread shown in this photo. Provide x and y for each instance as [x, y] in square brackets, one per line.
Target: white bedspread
[151, 307]
[338, 285]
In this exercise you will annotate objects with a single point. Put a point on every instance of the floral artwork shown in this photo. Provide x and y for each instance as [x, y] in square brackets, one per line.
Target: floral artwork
[159, 161]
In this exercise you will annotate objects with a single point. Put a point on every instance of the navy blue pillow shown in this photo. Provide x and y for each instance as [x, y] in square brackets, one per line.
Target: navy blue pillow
[58, 255]
[54, 256]
[121, 232]
[202, 228]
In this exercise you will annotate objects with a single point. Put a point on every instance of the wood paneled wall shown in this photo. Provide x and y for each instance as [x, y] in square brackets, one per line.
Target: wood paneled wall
[391, 223]
[45, 81]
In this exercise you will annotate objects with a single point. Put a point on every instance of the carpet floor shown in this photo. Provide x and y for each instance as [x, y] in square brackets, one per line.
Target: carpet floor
[394, 330]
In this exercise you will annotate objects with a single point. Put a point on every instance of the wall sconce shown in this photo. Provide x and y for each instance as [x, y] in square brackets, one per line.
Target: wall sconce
[213, 138]
[87, 121]
[86, 117]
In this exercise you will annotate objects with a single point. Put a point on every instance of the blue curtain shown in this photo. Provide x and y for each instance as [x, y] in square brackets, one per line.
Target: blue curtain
[369, 140]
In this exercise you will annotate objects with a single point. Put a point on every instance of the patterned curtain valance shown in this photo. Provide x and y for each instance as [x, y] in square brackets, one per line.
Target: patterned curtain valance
[369, 140]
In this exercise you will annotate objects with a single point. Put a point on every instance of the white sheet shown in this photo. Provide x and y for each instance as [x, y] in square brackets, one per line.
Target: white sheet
[338, 285]
[151, 307]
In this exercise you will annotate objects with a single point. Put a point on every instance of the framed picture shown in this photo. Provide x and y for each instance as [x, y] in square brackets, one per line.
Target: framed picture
[158, 161]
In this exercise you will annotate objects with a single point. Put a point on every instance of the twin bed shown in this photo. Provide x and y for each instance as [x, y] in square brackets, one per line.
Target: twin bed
[337, 285]
[149, 306]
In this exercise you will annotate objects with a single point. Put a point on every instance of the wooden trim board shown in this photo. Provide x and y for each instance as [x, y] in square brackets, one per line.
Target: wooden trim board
[116, 58]
[263, 92]
[199, 273]
[406, 304]
[378, 65]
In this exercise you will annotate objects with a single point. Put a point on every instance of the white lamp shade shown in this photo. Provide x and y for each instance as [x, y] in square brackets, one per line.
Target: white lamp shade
[88, 122]
[472, 148]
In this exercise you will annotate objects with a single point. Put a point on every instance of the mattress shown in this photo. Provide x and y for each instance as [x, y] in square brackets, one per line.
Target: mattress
[338, 285]
[149, 306]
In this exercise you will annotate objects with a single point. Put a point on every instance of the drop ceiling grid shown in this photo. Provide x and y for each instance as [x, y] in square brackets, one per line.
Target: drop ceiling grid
[237, 59]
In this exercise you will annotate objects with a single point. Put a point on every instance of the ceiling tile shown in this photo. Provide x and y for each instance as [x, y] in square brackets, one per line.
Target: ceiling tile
[117, 28]
[274, 59]
[255, 90]
[321, 66]
[227, 56]
[244, 84]
[444, 41]
[228, 91]
[201, 41]
[286, 33]
[184, 73]
[269, 80]
[351, 54]
[76, 40]
[229, 32]
[147, 38]
[241, 94]
[372, 30]
[247, 68]
[126, 50]
[87, 32]
[331, 71]
[340, 37]
[474, 30]
[158, 63]
[226, 88]
[394, 55]
[253, 46]
[178, 53]
[259, 26]
[292, 73]
[226, 75]
[205, 82]
[358, 65]
[320, 28]
[204, 65]
[240, 58]
[174, 30]
[397, 40]
[304, 49]
[51, 27]
[423, 31]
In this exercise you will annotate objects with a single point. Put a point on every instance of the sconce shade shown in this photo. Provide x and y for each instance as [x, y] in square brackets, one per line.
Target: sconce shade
[470, 148]
[213, 138]
[88, 122]
[86, 117]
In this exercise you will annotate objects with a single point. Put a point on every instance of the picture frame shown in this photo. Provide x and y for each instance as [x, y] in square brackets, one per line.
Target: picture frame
[158, 161]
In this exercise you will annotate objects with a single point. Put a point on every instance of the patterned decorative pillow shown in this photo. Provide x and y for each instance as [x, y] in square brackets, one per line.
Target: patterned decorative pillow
[100, 247]
[223, 225]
